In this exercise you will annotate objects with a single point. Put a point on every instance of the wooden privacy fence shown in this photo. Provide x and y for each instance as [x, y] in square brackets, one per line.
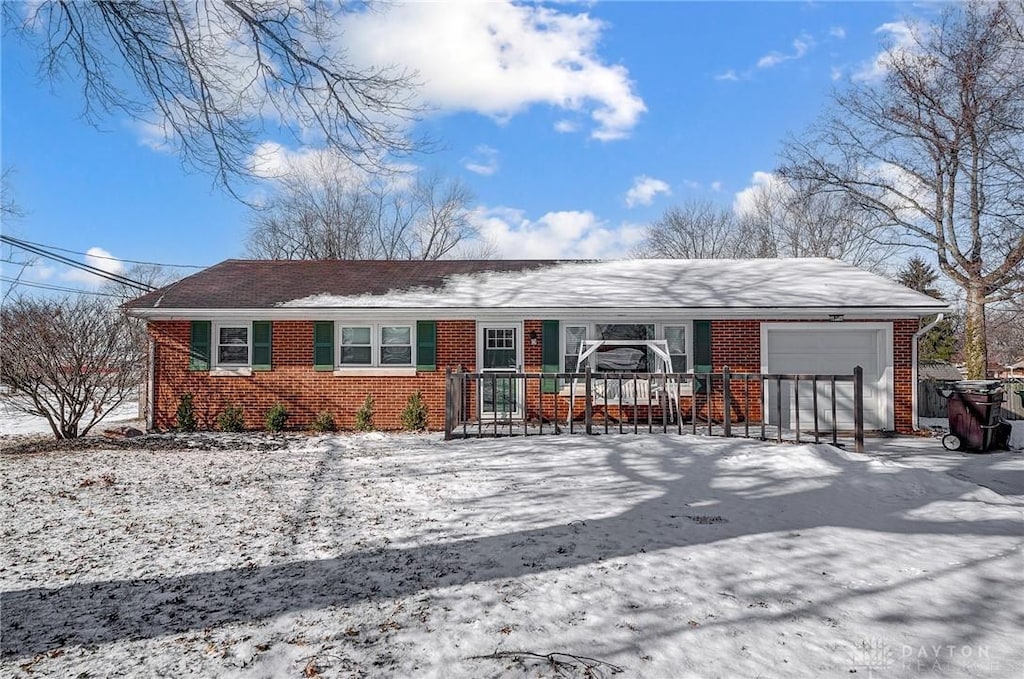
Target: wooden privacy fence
[776, 407]
[932, 398]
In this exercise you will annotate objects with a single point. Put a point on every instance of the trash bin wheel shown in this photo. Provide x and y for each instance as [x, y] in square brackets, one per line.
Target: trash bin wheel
[951, 442]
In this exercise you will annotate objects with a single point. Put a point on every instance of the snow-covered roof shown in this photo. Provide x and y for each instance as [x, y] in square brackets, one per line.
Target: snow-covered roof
[699, 284]
[652, 283]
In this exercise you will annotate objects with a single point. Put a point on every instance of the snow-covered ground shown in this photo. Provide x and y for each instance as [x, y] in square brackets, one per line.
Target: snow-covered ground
[405, 556]
[15, 423]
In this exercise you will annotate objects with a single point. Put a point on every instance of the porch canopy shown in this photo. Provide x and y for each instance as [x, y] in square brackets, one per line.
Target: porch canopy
[623, 360]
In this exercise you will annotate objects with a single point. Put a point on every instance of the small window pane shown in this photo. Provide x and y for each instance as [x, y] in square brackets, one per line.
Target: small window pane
[396, 355]
[355, 356]
[233, 354]
[355, 335]
[574, 336]
[396, 335]
[625, 332]
[234, 335]
[675, 336]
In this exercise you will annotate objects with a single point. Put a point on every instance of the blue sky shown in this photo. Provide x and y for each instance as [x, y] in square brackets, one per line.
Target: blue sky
[608, 114]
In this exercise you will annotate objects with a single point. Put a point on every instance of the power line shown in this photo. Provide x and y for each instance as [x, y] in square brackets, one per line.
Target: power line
[117, 259]
[59, 288]
[117, 278]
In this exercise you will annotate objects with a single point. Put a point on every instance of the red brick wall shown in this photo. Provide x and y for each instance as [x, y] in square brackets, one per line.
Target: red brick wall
[294, 382]
[903, 388]
[736, 343]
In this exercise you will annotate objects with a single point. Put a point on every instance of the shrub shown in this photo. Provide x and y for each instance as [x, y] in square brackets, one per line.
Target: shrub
[364, 416]
[277, 417]
[186, 415]
[232, 419]
[414, 415]
[324, 422]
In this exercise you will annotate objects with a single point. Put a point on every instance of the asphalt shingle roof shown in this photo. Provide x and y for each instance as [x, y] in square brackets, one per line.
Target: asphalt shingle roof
[734, 284]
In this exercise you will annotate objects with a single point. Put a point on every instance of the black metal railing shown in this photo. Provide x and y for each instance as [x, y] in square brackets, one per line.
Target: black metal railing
[779, 407]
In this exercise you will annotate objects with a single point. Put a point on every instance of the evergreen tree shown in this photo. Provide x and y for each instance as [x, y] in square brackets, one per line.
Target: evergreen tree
[940, 343]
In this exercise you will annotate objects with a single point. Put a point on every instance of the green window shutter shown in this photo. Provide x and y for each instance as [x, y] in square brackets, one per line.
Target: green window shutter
[199, 346]
[323, 345]
[261, 338]
[702, 351]
[426, 345]
[549, 354]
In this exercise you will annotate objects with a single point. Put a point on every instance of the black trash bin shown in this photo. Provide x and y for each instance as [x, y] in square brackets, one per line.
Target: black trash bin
[974, 407]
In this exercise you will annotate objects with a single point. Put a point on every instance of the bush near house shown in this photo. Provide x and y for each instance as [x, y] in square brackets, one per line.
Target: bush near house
[277, 417]
[231, 419]
[414, 415]
[323, 422]
[364, 416]
[186, 414]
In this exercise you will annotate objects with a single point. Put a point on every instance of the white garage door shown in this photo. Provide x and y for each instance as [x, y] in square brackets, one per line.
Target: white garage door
[830, 350]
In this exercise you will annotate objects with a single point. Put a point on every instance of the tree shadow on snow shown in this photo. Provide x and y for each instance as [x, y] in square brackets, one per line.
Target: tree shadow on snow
[663, 482]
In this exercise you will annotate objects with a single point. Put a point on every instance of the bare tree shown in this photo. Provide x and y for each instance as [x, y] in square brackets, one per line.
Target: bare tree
[152, 275]
[776, 219]
[934, 154]
[327, 211]
[789, 218]
[10, 211]
[1005, 331]
[694, 230]
[207, 76]
[70, 360]
[9, 208]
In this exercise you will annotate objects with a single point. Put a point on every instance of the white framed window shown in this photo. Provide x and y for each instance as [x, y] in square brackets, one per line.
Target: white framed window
[396, 345]
[574, 335]
[376, 345]
[232, 345]
[675, 337]
[356, 345]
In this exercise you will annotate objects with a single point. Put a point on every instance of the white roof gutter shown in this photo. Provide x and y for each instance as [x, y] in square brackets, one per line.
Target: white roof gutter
[915, 418]
[563, 313]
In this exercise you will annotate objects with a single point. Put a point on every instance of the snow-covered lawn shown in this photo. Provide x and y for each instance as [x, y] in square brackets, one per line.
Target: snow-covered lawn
[407, 556]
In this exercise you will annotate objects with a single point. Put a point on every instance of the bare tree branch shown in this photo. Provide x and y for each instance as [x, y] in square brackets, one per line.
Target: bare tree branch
[208, 78]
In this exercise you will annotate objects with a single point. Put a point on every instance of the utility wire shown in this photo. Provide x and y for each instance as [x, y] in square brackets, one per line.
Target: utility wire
[117, 278]
[130, 261]
[59, 288]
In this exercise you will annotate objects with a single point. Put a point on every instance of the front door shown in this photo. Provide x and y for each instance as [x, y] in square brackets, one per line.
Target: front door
[500, 350]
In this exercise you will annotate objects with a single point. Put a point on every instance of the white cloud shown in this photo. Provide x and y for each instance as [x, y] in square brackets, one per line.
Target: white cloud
[498, 58]
[837, 32]
[745, 200]
[728, 75]
[97, 258]
[836, 73]
[900, 37]
[692, 185]
[569, 234]
[483, 161]
[800, 47]
[716, 186]
[271, 160]
[566, 126]
[274, 161]
[154, 136]
[645, 189]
